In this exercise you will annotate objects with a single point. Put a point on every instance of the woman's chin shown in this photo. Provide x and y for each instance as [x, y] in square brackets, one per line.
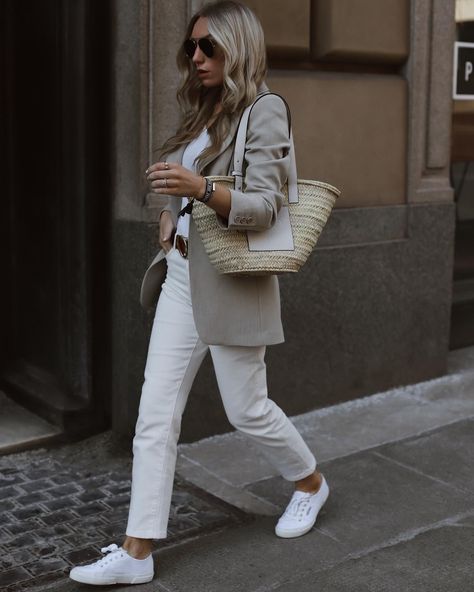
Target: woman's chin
[210, 83]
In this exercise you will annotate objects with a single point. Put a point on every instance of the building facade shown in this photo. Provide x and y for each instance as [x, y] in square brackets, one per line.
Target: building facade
[369, 84]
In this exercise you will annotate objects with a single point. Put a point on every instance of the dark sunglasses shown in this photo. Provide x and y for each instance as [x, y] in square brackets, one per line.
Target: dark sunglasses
[206, 45]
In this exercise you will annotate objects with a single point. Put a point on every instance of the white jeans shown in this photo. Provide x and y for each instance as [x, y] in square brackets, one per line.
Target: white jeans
[174, 356]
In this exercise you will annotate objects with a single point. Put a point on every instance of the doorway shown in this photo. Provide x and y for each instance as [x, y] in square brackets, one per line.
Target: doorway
[54, 224]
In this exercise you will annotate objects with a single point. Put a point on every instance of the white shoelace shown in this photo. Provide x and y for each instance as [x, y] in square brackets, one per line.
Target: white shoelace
[109, 553]
[296, 508]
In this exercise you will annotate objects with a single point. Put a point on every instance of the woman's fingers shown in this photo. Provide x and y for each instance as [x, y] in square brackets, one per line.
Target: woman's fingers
[167, 230]
[162, 177]
[173, 179]
[159, 170]
[160, 166]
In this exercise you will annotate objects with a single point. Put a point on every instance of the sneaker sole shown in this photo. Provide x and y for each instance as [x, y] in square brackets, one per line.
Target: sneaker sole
[111, 581]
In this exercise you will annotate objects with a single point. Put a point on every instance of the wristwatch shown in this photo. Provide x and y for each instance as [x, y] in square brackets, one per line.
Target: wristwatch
[210, 188]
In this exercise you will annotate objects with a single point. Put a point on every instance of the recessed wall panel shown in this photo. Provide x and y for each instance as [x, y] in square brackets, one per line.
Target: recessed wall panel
[371, 31]
[286, 26]
[351, 131]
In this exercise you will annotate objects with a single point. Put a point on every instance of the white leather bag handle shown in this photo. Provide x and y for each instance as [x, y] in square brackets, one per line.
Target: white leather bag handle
[239, 154]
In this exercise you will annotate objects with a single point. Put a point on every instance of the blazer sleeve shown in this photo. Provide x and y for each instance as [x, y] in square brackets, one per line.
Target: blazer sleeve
[162, 203]
[266, 166]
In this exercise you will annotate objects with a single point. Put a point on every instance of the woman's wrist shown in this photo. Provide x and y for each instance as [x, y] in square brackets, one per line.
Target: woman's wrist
[202, 189]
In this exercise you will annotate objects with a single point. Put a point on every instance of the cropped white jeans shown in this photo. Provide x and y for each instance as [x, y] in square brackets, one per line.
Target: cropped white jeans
[174, 356]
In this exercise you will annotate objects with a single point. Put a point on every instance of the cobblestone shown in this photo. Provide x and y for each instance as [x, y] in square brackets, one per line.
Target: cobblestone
[21, 527]
[59, 507]
[7, 492]
[12, 576]
[6, 505]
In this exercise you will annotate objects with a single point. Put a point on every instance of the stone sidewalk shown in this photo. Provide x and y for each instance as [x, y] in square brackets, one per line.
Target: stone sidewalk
[230, 468]
[400, 516]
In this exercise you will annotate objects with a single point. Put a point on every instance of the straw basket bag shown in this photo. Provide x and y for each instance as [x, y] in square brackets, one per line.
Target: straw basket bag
[284, 247]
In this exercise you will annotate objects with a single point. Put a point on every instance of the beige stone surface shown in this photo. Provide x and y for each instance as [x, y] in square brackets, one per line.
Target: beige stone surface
[362, 31]
[19, 428]
[429, 75]
[286, 25]
[351, 131]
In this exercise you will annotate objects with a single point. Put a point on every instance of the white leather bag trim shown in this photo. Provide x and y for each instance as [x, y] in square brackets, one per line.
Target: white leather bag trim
[277, 238]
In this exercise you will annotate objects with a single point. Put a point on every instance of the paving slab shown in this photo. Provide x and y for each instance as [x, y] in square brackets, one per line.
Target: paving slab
[439, 560]
[374, 500]
[248, 462]
[233, 494]
[445, 455]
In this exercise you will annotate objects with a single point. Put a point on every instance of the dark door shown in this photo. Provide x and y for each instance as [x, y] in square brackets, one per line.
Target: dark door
[462, 174]
[56, 59]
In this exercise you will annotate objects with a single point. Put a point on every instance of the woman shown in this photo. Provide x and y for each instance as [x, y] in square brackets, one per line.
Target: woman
[223, 62]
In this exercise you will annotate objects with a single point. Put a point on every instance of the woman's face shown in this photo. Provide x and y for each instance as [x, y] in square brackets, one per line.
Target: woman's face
[210, 71]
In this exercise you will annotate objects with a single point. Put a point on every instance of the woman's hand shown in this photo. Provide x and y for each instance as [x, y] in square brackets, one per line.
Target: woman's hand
[170, 178]
[167, 230]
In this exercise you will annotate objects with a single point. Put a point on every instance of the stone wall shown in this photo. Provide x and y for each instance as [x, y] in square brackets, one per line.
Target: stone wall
[368, 83]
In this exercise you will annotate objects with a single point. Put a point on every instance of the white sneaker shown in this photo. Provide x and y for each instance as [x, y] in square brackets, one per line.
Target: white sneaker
[302, 511]
[117, 567]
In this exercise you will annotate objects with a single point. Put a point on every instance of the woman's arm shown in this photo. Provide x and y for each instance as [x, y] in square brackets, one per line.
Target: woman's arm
[267, 163]
[266, 171]
[174, 180]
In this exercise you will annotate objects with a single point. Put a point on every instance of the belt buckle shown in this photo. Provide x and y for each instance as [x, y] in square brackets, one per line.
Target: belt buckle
[181, 245]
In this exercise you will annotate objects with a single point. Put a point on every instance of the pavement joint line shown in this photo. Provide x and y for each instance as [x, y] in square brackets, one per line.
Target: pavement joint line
[409, 535]
[328, 534]
[259, 480]
[161, 586]
[422, 473]
[248, 494]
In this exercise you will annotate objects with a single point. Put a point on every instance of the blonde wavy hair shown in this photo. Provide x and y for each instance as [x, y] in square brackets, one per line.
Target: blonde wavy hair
[239, 34]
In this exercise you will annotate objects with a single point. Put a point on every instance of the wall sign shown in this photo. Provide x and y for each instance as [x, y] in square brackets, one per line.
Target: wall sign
[463, 71]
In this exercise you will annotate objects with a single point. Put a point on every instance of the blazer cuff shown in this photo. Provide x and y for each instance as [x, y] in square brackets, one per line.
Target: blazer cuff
[247, 212]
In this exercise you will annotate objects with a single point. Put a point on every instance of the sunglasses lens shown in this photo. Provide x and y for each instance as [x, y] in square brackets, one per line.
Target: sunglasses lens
[189, 47]
[206, 47]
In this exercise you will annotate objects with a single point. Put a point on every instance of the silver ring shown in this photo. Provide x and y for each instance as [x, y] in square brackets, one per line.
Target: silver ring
[166, 183]
[167, 166]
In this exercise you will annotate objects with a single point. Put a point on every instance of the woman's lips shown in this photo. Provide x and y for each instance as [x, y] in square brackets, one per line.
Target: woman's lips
[202, 72]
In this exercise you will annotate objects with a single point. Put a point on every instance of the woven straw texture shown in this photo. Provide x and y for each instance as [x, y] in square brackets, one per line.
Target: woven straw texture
[228, 249]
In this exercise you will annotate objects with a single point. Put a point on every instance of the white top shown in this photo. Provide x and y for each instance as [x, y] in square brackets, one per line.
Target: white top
[190, 154]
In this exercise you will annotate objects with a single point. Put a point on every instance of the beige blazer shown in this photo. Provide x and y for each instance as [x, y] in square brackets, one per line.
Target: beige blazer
[236, 310]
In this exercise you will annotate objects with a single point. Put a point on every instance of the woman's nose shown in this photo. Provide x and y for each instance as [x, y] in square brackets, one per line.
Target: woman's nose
[198, 57]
